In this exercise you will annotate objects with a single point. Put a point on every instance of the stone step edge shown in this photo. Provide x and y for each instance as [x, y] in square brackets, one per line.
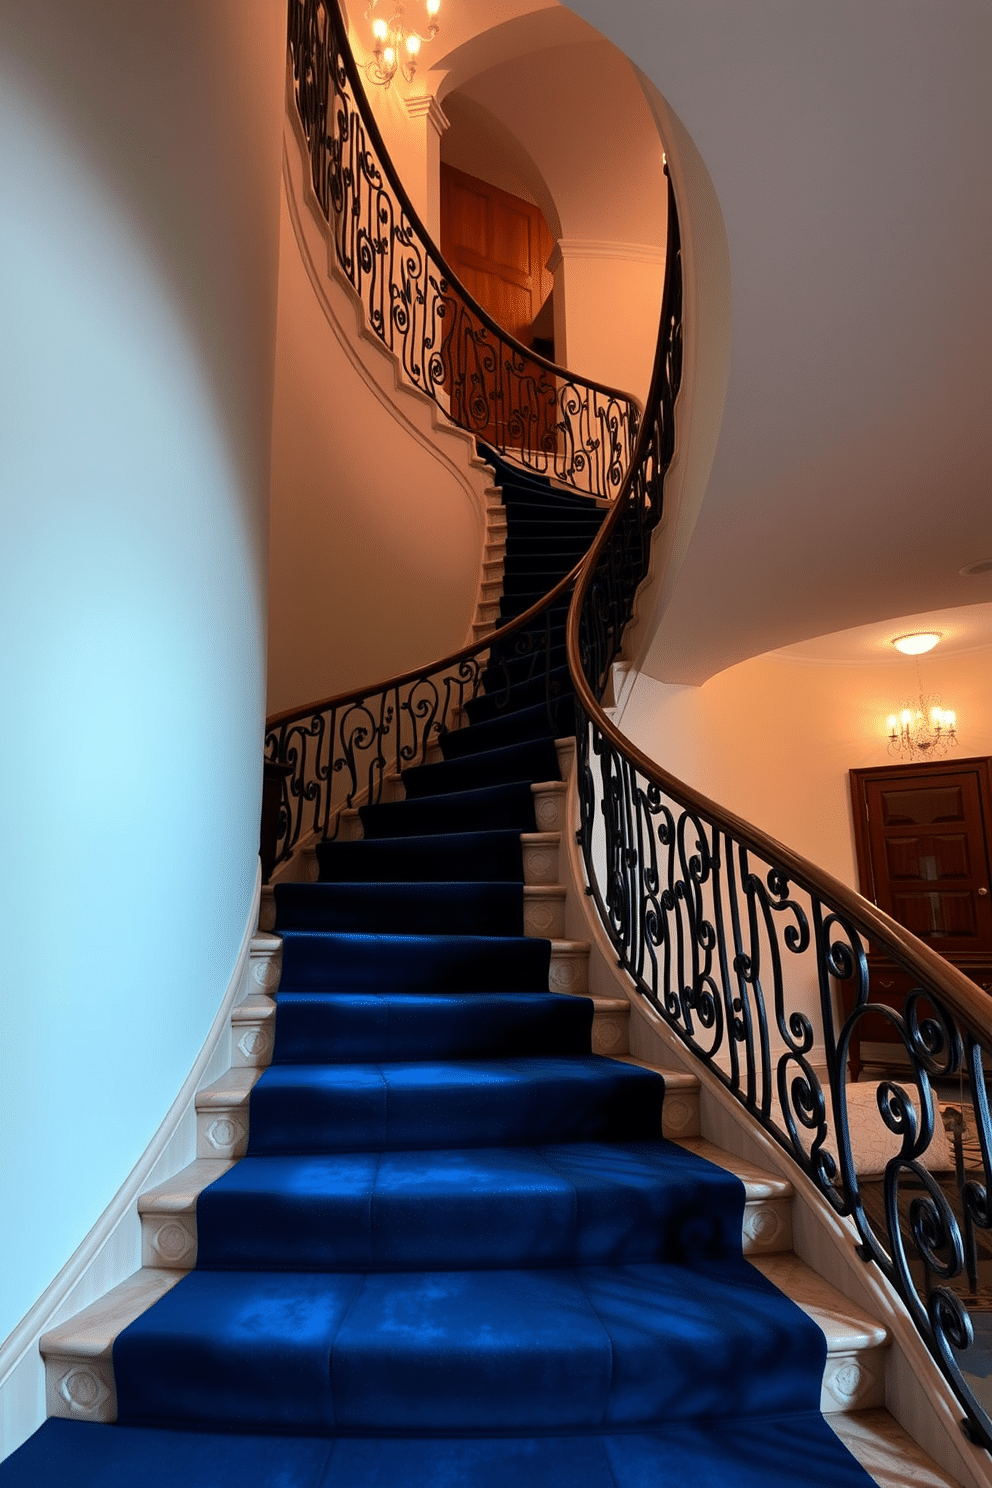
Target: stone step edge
[549, 798]
[78, 1354]
[540, 850]
[252, 1032]
[854, 1375]
[569, 970]
[531, 892]
[168, 1211]
[252, 1029]
[767, 1224]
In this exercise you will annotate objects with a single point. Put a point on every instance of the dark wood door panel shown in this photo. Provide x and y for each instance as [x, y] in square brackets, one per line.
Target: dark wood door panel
[498, 245]
[922, 806]
[931, 859]
[922, 834]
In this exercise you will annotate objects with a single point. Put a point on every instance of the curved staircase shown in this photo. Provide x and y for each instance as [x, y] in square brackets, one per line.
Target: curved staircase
[460, 1246]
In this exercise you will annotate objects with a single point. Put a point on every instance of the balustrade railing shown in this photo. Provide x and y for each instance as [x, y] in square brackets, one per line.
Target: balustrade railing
[335, 755]
[759, 962]
[537, 415]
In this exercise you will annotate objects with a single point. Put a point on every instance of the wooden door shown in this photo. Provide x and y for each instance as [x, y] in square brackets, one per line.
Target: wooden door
[923, 848]
[923, 835]
[498, 245]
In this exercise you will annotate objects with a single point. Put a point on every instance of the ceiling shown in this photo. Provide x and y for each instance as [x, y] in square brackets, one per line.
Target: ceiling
[963, 630]
[847, 476]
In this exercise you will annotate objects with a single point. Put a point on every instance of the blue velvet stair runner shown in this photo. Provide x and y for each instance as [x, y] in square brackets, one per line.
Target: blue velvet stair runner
[458, 1251]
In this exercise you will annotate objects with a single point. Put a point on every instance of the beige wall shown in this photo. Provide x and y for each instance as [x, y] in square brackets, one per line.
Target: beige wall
[375, 543]
[773, 738]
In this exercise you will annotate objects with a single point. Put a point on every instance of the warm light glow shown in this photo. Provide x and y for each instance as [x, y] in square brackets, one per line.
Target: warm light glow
[396, 46]
[915, 645]
[925, 732]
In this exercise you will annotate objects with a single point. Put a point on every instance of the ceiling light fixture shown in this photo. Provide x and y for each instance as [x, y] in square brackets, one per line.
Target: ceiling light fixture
[917, 643]
[922, 729]
[396, 45]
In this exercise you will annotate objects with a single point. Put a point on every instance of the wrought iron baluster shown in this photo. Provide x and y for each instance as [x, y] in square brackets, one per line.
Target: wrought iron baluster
[447, 345]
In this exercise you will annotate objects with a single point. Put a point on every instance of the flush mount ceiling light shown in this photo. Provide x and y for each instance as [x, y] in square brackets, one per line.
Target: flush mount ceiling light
[917, 643]
[396, 44]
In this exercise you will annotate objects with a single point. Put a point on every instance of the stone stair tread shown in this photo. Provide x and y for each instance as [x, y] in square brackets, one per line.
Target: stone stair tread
[232, 1088]
[254, 1008]
[178, 1195]
[264, 941]
[674, 1079]
[887, 1451]
[540, 839]
[544, 891]
[758, 1182]
[845, 1326]
[91, 1333]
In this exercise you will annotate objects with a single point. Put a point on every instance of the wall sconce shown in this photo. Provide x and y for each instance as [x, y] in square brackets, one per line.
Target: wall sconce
[922, 729]
[395, 44]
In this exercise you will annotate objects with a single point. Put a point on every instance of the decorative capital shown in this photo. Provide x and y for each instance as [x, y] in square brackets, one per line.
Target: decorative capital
[426, 106]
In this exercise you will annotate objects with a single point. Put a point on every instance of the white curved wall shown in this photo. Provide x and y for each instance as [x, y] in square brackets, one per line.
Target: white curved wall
[848, 148]
[139, 175]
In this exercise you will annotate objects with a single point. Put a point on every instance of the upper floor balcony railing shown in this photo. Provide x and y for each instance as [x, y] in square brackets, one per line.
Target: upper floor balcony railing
[534, 413]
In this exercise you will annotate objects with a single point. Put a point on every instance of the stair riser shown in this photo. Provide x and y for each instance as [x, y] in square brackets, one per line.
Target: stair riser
[549, 812]
[540, 853]
[78, 1388]
[853, 1382]
[568, 971]
[169, 1241]
[544, 915]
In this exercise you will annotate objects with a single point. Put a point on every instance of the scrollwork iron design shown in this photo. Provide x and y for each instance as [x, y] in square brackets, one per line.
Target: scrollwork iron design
[536, 414]
[760, 965]
[342, 753]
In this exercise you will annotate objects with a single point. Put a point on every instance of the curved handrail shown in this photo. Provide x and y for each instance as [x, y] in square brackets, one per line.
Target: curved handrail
[759, 961]
[536, 414]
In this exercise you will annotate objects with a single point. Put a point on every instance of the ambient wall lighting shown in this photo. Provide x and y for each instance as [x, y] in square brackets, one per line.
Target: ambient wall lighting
[922, 729]
[396, 45]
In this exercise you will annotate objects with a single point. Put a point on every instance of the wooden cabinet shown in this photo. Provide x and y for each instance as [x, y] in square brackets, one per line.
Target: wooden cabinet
[923, 835]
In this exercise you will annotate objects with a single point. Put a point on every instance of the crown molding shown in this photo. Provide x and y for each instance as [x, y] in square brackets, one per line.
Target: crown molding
[572, 248]
[425, 105]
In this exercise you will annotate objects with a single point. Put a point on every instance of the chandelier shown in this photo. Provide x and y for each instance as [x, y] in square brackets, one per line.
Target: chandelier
[395, 44]
[922, 729]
